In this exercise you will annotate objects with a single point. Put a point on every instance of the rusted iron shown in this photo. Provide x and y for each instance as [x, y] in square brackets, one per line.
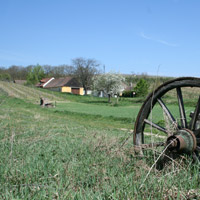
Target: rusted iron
[182, 141]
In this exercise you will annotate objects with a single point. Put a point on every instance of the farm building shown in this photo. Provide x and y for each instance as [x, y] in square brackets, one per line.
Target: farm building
[66, 84]
[21, 82]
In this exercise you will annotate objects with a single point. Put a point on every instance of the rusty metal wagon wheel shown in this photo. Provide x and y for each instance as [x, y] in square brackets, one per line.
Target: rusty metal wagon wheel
[169, 119]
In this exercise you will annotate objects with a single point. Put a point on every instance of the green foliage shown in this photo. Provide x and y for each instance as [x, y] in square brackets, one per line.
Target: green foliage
[141, 88]
[5, 77]
[35, 74]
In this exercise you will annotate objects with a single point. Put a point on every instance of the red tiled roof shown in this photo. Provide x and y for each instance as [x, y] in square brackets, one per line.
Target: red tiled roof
[44, 80]
[58, 82]
[67, 81]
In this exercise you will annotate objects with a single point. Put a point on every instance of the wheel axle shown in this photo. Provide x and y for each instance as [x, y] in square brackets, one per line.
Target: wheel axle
[184, 141]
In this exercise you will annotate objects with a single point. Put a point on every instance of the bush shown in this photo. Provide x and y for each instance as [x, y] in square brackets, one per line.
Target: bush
[35, 75]
[127, 93]
[141, 89]
[5, 77]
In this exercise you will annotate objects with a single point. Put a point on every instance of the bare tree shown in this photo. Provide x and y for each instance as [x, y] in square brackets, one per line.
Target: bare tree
[68, 69]
[48, 70]
[84, 71]
[58, 71]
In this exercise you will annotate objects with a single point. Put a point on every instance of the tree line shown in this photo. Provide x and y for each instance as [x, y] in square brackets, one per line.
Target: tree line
[15, 72]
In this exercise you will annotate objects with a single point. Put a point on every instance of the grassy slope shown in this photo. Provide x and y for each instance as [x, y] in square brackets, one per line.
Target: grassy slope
[30, 94]
[57, 155]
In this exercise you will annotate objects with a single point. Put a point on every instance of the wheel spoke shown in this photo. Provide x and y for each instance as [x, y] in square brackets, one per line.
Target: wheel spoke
[167, 112]
[160, 128]
[197, 149]
[181, 108]
[195, 115]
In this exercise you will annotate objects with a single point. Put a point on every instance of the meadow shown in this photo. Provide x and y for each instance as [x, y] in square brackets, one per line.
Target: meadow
[81, 149]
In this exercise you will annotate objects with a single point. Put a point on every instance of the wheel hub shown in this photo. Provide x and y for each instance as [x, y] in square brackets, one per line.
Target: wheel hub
[183, 141]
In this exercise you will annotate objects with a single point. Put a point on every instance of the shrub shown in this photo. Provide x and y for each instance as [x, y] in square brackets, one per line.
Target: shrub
[141, 89]
[127, 93]
[5, 77]
[35, 75]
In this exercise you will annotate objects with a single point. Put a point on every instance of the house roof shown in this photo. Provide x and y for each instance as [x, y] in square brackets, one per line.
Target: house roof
[60, 82]
[19, 81]
[44, 80]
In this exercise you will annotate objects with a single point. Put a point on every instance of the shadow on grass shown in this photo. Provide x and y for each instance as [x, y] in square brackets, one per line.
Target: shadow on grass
[97, 117]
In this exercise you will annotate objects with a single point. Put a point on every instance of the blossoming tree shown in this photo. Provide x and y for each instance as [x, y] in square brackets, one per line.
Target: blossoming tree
[110, 84]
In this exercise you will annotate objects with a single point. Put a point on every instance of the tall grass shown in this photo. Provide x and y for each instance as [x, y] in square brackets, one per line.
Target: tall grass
[57, 155]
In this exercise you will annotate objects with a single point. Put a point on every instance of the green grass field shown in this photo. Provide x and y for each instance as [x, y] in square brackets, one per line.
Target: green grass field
[78, 151]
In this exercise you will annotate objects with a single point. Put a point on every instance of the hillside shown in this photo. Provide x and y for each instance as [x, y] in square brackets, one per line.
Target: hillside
[30, 94]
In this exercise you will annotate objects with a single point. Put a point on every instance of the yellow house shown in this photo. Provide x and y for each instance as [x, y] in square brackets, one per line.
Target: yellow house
[66, 84]
[73, 90]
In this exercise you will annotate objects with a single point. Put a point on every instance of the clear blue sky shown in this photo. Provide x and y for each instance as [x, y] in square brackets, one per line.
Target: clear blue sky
[157, 37]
